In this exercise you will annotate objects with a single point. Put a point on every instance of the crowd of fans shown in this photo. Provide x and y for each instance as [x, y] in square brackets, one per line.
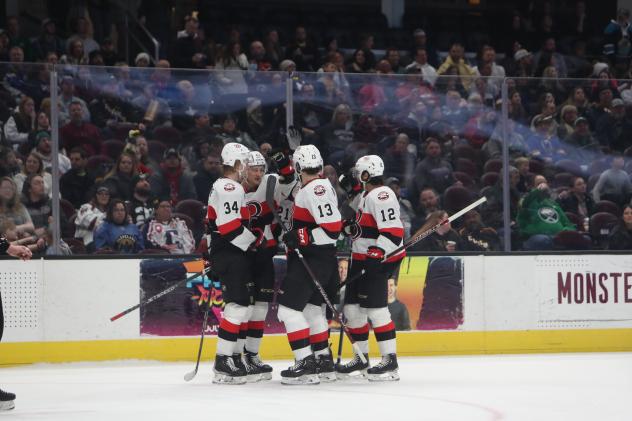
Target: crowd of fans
[140, 142]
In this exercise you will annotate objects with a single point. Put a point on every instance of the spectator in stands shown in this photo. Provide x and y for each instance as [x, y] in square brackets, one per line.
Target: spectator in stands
[78, 132]
[9, 231]
[36, 201]
[398, 161]
[230, 77]
[82, 34]
[621, 237]
[601, 108]
[155, 111]
[581, 144]
[188, 43]
[566, 126]
[201, 129]
[67, 97]
[207, 174]
[476, 236]
[427, 71]
[493, 211]
[433, 171]
[393, 58]
[367, 42]
[274, 51]
[551, 83]
[455, 64]
[15, 33]
[443, 239]
[614, 130]
[44, 148]
[230, 132]
[109, 111]
[399, 312]
[576, 199]
[548, 56]
[522, 165]
[75, 53]
[488, 58]
[523, 64]
[108, 52]
[9, 163]
[186, 105]
[142, 155]
[614, 184]
[119, 179]
[21, 123]
[4, 45]
[143, 202]
[540, 218]
[302, 51]
[358, 63]
[427, 202]
[48, 41]
[91, 215]
[168, 233]
[543, 145]
[173, 182]
[117, 232]
[33, 165]
[258, 58]
[420, 40]
[77, 182]
[407, 214]
[618, 47]
[336, 136]
[577, 98]
[11, 207]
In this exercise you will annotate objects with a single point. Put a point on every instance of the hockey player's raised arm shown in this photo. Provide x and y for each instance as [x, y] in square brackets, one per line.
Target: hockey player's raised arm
[227, 208]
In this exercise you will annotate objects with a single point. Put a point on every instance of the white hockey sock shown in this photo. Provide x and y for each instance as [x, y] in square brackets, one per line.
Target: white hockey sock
[229, 326]
[256, 324]
[318, 329]
[358, 324]
[243, 331]
[384, 329]
[297, 330]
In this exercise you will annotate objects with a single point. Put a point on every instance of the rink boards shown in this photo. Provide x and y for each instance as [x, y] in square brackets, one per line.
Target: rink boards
[59, 310]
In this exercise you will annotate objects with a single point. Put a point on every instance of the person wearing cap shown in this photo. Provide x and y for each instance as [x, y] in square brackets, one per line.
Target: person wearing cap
[166, 232]
[143, 202]
[420, 40]
[602, 105]
[142, 60]
[230, 132]
[43, 146]
[90, 215]
[542, 144]
[173, 182]
[48, 41]
[66, 97]
[581, 144]
[614, 129]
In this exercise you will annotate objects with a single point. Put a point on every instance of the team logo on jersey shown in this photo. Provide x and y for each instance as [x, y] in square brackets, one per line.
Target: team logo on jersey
[382, 195]
[254, 209]
[319, 190]
[158, 228]
[548, 215]
[229, 187]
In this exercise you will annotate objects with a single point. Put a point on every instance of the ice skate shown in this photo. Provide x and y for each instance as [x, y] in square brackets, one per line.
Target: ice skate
[253, 374]
[226, 372]
[303, 371]
[7, 400]
[326, 371]
[354, 369]
[385, 370]
[252, 359]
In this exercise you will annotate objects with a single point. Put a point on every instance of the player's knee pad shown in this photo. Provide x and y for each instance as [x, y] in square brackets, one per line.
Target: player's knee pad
[259, 311]
[315, 317]
[288, 315]
[379, 316]
[355, 315]
[235, 313]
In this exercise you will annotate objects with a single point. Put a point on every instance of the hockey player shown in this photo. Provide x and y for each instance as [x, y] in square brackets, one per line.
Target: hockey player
[230, 242]
[316, 224]
[376, 231]
[7, 399]
[261, 224]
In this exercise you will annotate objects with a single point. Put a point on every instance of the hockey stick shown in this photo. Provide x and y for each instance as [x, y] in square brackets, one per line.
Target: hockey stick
[270, 200]
[160, 294]
[191, 374]
[420, 236]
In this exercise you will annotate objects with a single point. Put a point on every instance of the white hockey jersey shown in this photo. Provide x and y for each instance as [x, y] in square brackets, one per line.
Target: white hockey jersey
[378, 217]
[316, 208]
[175, 232]
[228, 215]
[89, 217]
[261, 217]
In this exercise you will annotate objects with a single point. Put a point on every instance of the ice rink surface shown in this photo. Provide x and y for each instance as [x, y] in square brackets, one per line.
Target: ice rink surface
[561, 387]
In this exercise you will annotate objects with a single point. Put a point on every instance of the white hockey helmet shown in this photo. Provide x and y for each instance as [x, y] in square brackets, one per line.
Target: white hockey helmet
[369, 166]
[233, 152]
[256, 159]
[307, 156]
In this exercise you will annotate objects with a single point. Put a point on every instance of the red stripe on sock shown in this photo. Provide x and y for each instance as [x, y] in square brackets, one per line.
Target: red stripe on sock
[243, 327]
[228, 326]
[385, 328]
[319, 337]
[359, 330]
[258, 325]
[298, 335]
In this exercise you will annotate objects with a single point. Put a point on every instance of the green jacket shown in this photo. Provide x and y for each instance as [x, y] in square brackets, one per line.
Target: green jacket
[539, 214]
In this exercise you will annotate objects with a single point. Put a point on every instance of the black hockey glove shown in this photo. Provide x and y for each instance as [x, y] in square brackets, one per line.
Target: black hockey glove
[350, 184]
[351, 228]
[297, 238]
[284, 167]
